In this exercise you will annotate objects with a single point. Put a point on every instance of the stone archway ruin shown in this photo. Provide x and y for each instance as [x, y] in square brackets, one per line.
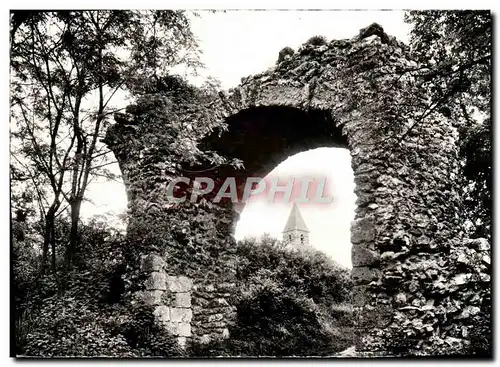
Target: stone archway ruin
[366, 94]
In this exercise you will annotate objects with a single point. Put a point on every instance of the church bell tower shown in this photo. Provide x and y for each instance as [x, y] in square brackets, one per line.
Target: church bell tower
[296, 233]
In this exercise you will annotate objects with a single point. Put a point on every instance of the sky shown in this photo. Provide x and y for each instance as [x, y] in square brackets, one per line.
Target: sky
[236, 44]
[328, 223]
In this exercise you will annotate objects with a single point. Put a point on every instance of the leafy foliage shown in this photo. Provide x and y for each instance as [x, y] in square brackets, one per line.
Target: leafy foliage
[317, 41]
[83, 315]
[455, 49]
[309, 272]
[67, 67]
[476, 150]
[291, 304]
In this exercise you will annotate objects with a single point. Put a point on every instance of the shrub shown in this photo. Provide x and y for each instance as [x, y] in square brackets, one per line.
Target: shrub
[77, 316]
[317, 41]
[285, 52]
[481, 335]
[66, 326]
[288, 306]
[309, 272]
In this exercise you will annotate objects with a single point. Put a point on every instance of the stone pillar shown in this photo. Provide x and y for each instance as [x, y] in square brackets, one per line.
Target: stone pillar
[407, 224]
[189, 309]
[177, 250]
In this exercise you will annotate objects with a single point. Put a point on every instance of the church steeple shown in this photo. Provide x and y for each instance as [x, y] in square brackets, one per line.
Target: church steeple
[295, 232]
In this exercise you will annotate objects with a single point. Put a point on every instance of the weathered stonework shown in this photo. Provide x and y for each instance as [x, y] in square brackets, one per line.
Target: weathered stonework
[416, 277]
[189, 310]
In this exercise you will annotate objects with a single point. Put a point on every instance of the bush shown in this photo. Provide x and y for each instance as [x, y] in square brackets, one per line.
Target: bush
[145, 336]
[276, 322]
[481, 335]
[289, 305]
[308, 272]
[66, 326]
[83, 314]
[317, 41]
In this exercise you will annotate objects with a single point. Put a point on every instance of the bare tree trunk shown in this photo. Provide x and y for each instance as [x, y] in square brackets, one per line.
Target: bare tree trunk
[45, 249]
[53, 249]
[74, 237]
[47, 237]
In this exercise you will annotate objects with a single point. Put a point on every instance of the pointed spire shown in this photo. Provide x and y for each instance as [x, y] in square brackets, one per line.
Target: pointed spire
[295, 221]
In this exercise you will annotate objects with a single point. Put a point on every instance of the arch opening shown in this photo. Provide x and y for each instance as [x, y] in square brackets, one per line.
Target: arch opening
[263, 137]
[328, 223]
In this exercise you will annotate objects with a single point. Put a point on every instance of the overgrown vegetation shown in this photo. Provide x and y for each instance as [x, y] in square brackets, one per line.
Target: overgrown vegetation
[456, 48]
[317, 41]
[67, 67]
[71, 297]
[291, 304]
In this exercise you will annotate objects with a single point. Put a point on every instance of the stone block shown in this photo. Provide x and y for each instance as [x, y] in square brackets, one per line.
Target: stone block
[162, 313]
[227, 286]
[461, 279]
[359, 295]
[183, 299]
[184, 329]
[387, 256]
[150, 263]
[181, 341]
[225, 333]
[362, 231]
[421, 220]
[205, 339]
[361, 256]
[364, 275]
[172, 328]
[181, 314]
[485, 277]
[220, 302]
[486, 259]
[179, 284]
[217, 324]
[152, 298]
[156, 281]
[379, 317]
[413, 286]
[216, 317]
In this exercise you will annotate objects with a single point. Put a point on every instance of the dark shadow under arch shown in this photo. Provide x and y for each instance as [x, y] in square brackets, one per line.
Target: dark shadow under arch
[263, 137]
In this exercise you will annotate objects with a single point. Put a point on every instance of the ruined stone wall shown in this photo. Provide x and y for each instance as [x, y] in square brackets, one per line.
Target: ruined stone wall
[413, 288]
[190, 309]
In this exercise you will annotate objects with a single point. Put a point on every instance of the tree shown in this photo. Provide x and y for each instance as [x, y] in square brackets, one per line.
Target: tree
[67, 68]
[455, 48]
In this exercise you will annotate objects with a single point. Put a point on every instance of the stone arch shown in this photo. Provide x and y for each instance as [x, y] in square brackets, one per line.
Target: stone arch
[264, 136]
[406, 234]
